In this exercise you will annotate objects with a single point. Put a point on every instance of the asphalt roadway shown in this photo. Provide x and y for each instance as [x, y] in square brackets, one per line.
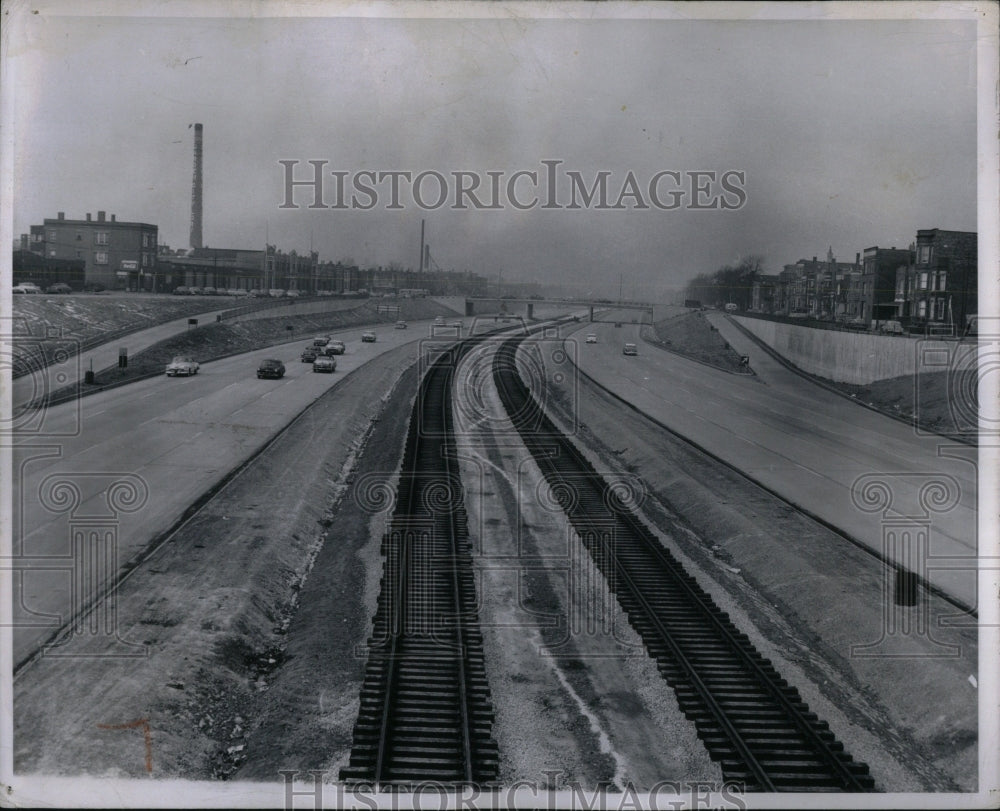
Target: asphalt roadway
[912, 498]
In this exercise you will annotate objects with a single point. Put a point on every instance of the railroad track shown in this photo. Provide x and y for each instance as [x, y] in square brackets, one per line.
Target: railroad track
[426, 713]
[751, 720]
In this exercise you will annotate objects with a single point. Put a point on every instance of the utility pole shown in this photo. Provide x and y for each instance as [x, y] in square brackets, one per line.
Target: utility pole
[421, 246]
[620, 279]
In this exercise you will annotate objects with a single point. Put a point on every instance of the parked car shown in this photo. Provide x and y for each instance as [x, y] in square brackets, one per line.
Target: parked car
[891, 328]
[255, 293]
[630, 349]
[292, 294]
[271, 368]
[324, 363]
[181, 291]
[59, 288]
[309, 354]
[27, 287]
[400, 325]
[335, 348]
[195, 291]
[368, 337]
[276, 292]
[321, 340]
[591, 338]
[182, 365]
[208, 291]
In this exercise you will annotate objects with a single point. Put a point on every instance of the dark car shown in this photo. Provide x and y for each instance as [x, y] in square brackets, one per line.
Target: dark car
[59, 287]
[309, 354]
[271, 368]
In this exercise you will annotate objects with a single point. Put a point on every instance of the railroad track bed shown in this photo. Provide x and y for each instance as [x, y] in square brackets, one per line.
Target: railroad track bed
[425, 712]
[752, 722]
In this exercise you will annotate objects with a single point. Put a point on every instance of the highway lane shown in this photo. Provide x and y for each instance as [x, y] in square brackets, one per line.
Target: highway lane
[165, 441]
[809, 445]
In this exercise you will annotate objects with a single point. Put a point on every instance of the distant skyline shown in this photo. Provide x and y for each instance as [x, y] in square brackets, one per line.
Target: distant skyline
[848, 134]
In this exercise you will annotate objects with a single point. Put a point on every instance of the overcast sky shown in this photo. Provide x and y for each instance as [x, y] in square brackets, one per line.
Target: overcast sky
[850, 134]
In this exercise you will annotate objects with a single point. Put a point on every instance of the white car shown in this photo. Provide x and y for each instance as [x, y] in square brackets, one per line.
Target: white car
[630, 349]
[591, 339]
[27, 287]
[182, 365]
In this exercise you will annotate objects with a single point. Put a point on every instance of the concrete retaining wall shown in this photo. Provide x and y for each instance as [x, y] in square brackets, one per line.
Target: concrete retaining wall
[844, 357]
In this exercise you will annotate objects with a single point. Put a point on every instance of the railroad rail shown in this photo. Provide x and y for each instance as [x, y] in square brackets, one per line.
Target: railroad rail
[426, 712]
[750, 719]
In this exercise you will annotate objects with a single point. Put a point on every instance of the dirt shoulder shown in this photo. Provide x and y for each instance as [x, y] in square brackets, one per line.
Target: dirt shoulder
[212, 614]
[688, 333]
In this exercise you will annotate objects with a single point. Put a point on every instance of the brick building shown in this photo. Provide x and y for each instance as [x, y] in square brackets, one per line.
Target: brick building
[117, 255]
[942, 285]
[878, 281]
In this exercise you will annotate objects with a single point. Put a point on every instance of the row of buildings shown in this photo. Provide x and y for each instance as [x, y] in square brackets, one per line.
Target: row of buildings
[933, 282]
[106, 253]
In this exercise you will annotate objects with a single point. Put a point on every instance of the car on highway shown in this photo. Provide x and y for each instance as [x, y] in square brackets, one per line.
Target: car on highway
[271, 367]
[335, 348]
[630, 349]
[59, 287]
[321, 340]
[400, 325]
[182, 365]
[309, 354]
[368, 337]
[324, 363]
[591, 338]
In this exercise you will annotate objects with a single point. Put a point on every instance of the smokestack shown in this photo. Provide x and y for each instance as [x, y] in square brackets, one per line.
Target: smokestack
[196, 190]
[100, 216]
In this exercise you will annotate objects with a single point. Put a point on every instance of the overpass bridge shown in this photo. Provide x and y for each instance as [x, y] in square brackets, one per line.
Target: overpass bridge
[526, 306]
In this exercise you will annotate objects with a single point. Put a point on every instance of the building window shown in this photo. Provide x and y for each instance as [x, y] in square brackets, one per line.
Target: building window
[145, 240]
[52, 253]
[942, 281]
[922, 308]
[79, 254]
[101, 237]
[52, 236]
[145, 260]
[922, 283]
[79, 237]
[100, 258]
[924, 254]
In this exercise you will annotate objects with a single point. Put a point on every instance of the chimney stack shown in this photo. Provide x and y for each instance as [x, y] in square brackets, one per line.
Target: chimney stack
[113, 218]
[61, 215]
[196, 190]
[100, 216]
[88, 216]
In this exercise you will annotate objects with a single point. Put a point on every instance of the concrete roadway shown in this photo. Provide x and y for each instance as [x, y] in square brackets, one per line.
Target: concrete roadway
[807, 444]
[173, 439]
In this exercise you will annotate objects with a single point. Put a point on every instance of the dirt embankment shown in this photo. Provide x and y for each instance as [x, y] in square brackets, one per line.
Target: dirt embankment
[44, 325]
[939, 402]
[689, 334]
